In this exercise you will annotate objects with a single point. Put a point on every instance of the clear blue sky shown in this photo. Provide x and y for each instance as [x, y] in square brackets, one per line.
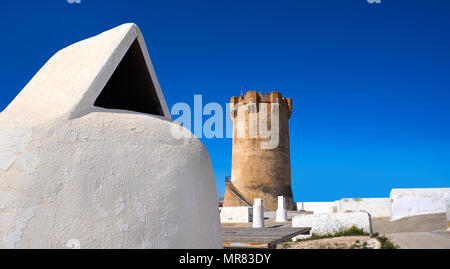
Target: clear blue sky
[370, 82]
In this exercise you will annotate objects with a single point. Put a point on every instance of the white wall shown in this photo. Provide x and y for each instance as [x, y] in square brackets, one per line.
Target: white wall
[236, 214]
[376, 207]
[319, 207]
[108, 180]
[331, 223]
[448, 212]
[414, 202]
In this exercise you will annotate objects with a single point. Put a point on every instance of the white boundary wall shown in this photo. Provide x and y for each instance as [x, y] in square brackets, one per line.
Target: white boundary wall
[413, 202]
[448, 212]
[323, 224]
[319, 207]
[376, 207]
[401, 204]
[236, 214]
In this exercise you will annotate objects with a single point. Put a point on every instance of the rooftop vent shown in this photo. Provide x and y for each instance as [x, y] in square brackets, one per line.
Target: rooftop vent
[131, 86]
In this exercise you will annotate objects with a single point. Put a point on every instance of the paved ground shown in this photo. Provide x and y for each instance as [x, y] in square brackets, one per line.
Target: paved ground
[419, 232]
[421, 240]
[427, 231]
[258, 238]
[423, 223]
[269, 221]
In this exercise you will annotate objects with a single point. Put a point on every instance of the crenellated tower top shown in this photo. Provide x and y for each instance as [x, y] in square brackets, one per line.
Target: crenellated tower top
[258, 97]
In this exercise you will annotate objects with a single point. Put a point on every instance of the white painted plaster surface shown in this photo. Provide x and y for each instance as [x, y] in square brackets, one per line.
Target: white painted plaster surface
[69, 83]
[319, 207]
[448, 211]
[68, 173]
[238, 214]
[281, 202]
[376, 207]
[413, 202]
[281, 214]
[323, 224]
[258, 214]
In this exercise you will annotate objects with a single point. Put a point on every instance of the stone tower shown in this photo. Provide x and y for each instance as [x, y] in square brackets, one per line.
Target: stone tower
[261, 158]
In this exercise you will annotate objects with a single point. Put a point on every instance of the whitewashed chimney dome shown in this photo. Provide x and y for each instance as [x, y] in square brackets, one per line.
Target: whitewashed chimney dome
[87, 158]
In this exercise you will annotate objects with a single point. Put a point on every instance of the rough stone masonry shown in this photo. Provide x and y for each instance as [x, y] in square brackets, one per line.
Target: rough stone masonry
[258, 171]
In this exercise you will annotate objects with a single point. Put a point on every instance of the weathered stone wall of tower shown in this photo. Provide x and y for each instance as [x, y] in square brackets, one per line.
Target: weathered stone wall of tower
[261, 164]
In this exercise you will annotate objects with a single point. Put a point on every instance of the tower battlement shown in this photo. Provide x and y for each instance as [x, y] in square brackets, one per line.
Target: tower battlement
[258, 97]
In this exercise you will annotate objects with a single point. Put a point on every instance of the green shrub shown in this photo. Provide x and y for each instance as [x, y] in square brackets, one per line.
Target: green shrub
[353, 231]
[386, 243]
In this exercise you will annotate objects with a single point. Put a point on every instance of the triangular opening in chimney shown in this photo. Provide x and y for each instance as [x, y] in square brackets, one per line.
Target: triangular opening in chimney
[130, 86]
